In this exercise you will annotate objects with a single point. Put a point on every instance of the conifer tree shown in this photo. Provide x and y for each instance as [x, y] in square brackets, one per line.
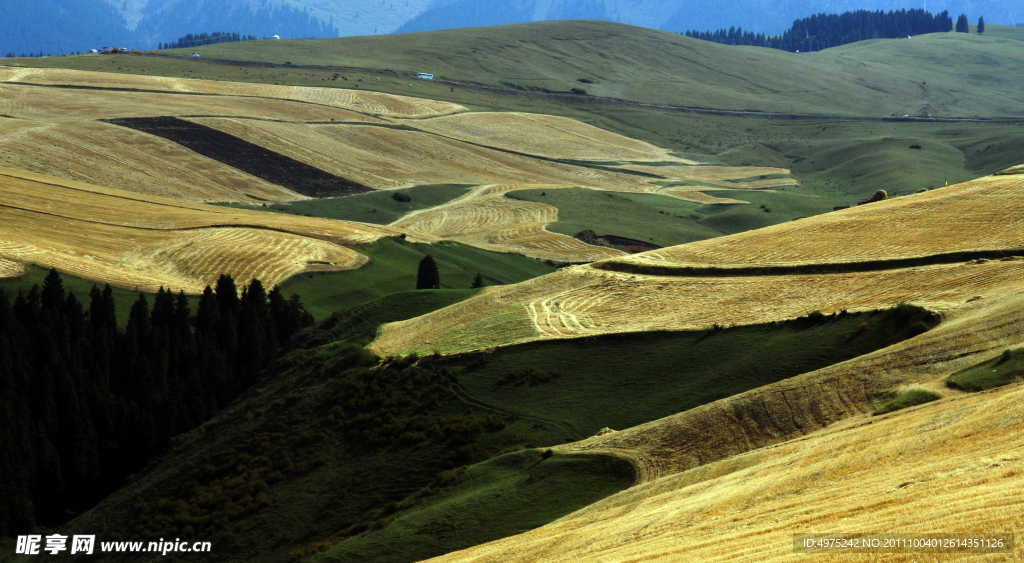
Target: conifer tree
[427, 276]
[961, 24]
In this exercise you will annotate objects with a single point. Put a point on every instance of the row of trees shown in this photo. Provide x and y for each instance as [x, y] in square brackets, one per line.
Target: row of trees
[822, 31]
[191, 40]
[84, 404]
[962, 26]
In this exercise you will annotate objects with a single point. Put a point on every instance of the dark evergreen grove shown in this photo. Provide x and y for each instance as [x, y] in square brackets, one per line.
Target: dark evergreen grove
[201, 39]
[822, 31]
[961, 24]
[84, 404]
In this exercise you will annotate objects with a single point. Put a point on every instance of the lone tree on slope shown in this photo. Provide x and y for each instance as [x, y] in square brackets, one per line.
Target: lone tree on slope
[427, 276]
[961, 24]
[981, 24]
[478, 281]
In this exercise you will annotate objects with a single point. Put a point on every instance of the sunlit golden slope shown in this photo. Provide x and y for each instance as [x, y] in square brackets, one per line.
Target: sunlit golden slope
[375, 103]
[147, 242]
[10, 269]
[589, 300]
[983, 214]
[735, 479]
[946, 467]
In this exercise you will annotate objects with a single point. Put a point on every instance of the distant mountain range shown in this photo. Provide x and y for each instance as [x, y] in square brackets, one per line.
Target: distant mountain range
[66, 26]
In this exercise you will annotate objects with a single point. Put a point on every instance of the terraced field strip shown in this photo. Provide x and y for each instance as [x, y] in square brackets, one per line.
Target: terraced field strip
[582, 301]
[373, 103]
[901, 473]
[545, 135]
[980, 215]
[128, 240]
[732, 177]
[734, 479]
[698, 196]
[259, 161]
[103, 154]
[64, 104]
[485, 218]
[386, 158]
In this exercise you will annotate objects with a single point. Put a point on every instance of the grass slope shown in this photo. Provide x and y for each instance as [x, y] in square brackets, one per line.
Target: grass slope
[506, 495]
[332, 454]
[671, 371]
[378, 207]
[392, 269]
[839, 160]
[359, 324]
[661, 67]
[1001, 370]
[637, 216]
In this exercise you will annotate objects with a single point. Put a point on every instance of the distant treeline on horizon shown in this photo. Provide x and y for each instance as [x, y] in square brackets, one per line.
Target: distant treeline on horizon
[192, 40]
[822, 31]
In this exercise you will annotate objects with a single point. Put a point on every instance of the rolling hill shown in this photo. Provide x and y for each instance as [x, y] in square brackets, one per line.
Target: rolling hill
[695, 399]
[877, 255]
[880, 78]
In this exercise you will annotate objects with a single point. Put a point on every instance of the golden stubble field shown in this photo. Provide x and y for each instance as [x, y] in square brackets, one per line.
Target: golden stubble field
[733, 480]
[53, 126]
[588, 300]
[146, 242]
[956, 466]
[983, 214]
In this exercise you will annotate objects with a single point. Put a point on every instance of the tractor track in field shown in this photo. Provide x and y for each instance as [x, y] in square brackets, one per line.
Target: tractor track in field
[468, 398]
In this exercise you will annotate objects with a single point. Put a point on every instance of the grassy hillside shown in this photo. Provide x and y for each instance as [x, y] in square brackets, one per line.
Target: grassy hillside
[665, 68]
[841, 160]
[667, 221]
[676, 371]
[359, 324]
[378, 207]
[392, 269]
[337, 453]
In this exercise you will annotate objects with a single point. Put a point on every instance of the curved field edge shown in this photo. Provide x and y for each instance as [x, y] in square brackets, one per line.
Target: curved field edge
[491, 500]
[945, 258]
[759, 461]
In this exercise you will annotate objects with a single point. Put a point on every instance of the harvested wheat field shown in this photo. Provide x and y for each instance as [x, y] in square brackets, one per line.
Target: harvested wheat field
[986, 212]
[52, 103]
[10, 269]
[955, 466]
[133, 241]
[584, 301]
[697, 195]
[624, 295]
[545, 135]
[108, 155]
[735, 479]
[374, 103]
[486, 219]
[386, 158]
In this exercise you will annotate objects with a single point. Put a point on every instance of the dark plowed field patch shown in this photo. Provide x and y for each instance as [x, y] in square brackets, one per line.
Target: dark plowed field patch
[245, 156]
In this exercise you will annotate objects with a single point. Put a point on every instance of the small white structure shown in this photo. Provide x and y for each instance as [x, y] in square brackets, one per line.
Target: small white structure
[425, 76]
[276, 37]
